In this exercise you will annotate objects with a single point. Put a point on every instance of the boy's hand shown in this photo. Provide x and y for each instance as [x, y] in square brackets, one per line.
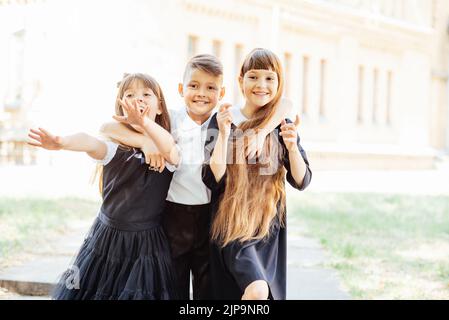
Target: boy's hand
[136, 114]
[152, 157]
[289, 134]
[44, 139]
[224, 119]
[255, 143]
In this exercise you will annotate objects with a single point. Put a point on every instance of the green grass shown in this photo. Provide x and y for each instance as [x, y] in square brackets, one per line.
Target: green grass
[26, 222]
[383, 246]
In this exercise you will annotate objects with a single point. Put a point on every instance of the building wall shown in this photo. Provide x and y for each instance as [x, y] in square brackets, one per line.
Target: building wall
[369, 78]
[439, 85]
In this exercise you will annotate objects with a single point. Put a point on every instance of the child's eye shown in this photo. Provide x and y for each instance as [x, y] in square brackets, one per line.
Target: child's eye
[270, 78]
[147, 94]
[212, 88]
[193, 86]
[129, 95]
[252, 77]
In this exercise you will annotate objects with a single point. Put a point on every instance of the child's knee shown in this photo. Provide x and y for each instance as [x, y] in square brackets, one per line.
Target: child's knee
[256, 290]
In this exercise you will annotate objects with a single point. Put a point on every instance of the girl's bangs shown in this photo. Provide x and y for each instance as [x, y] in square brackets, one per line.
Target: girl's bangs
[136, 79]
[260, 60]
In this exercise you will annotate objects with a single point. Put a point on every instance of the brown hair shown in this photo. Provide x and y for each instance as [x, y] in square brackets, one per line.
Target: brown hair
[162, 119]
[128, 80]
[242, 214]
[205, 62]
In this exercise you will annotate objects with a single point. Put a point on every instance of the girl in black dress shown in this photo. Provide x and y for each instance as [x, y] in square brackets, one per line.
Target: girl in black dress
[126, 254]
[248, 235]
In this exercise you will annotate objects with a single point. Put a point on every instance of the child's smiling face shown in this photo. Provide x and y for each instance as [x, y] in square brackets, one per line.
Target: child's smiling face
[259, 86]
[201, 92]
[144, 96]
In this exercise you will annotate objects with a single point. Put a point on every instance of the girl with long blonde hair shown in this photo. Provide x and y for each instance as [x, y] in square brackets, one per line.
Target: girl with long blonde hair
[248, 236]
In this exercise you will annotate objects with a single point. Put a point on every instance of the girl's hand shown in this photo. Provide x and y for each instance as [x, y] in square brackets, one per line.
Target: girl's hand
[136, 115]
[224, 119]
[44, 139]
[289, 134]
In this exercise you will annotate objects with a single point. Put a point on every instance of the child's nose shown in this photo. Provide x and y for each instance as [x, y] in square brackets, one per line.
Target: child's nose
[202, 92]
[261, 83]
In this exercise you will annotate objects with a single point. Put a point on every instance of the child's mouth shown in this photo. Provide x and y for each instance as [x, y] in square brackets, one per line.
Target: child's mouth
[201, 102]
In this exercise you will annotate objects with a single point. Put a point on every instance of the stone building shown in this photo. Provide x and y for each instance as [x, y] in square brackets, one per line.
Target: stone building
[368, 77]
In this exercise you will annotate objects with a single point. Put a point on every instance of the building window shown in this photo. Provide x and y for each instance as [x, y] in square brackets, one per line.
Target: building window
[323, 66]
[389, 93]
[16, 72]
[360, 94]
[434, 13]
[399, 9]
[192, 46]
[238, 56]
[375, 109]
[216, 48]
[287, 68]
[305, 85]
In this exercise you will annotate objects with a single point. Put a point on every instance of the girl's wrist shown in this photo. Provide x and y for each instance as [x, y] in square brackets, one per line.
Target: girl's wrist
[223, 134]
[146, 122]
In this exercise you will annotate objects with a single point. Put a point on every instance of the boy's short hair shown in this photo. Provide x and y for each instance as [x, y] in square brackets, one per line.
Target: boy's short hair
[205, 62]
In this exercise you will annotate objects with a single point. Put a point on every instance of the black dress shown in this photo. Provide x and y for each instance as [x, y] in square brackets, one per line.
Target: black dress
[126, 254]
[236, 265]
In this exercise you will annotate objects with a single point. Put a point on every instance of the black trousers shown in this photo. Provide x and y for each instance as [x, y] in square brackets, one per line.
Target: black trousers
[187, 229]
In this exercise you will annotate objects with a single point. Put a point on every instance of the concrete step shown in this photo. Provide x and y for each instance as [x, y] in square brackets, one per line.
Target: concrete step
[6, 294]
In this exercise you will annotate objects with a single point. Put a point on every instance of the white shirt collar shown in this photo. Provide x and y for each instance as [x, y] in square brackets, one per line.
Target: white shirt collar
[189, 124]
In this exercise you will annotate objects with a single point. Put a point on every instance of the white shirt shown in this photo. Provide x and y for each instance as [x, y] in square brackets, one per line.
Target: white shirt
[111, 150]
[186, 186]
[237, 115]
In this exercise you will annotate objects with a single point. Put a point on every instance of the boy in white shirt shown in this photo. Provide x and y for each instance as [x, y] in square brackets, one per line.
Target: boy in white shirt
[187, 215]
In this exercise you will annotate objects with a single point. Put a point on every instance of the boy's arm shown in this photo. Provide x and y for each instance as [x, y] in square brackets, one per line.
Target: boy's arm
[255, 142]
[81, 142]
[122, 134]
[163, 140]
[161, 137]
[280, 113]
[119, 132]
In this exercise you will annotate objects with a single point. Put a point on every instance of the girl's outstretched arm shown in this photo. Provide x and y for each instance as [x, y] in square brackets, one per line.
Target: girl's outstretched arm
[122, 134]
[81, 142]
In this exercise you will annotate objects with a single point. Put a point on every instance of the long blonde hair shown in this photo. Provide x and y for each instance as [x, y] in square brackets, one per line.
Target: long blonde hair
[251, 200]
[162, 119]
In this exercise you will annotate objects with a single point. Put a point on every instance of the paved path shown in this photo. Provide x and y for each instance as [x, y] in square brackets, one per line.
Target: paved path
[306, 278]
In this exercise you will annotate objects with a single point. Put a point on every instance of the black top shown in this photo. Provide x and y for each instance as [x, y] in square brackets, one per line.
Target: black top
[238, 264]
[133, 195]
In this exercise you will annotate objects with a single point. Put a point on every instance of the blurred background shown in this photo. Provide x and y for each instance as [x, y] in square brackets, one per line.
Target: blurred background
[369, 79]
